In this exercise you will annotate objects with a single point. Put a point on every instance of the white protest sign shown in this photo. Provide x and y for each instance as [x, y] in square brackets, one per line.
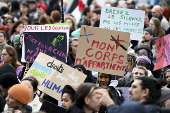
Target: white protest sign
[120, 19]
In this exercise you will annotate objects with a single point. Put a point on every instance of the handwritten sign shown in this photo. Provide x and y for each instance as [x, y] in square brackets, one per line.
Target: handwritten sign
[46, 39]
[120, 19]
[162, 52]
[46, 28]
[102, 50]
[125, 92]
[51, 108]
[53, 75]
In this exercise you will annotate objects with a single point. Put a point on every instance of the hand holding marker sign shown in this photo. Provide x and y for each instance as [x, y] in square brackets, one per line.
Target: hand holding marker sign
[120, 19]
[104, 51]
[53, 75]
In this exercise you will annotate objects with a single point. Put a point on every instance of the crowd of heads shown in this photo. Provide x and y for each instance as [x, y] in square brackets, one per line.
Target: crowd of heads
[99, 92]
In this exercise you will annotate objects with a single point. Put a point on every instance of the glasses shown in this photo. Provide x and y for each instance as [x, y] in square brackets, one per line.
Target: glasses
[4, 54]
[74, 45]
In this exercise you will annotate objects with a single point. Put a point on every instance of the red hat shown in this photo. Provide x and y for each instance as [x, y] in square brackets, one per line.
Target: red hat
[42, 5]
[156, 9]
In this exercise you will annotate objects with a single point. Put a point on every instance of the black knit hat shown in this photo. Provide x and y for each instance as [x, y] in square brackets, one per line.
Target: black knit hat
[6, 68]
[149, 30]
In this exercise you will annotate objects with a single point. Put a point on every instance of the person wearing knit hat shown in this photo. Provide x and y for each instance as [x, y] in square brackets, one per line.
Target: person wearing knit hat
[164, 100]
[42, 5]
[148, 34]
[145, 62]
[131, 4]
[6, 68]
[18, 98]
[16, 40]
[41, 9]
[76, 33]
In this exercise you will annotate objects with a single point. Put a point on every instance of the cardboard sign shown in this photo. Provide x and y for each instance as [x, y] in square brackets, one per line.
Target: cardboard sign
[53, 75]
[125, 92]
[162, 52]
[46, 39]
[51, 108]
[102, 50]
[120, 19]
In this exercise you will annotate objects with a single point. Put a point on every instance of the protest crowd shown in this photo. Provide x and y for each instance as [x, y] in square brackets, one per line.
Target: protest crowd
[53, 62]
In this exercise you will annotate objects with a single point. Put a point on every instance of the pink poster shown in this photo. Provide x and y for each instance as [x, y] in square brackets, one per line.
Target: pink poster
[162, 52]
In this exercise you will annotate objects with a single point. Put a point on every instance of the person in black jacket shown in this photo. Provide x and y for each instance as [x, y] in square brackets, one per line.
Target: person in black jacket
[144, 90]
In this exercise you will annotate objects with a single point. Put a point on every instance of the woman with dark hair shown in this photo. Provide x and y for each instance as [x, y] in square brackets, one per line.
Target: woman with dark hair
[86, 100]
[9, 23]
[34, 102]
[15, 30]
[9, 56]
[104, 79]
[153, 48]
[18, 98]
[68, 95]
[82, 69]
